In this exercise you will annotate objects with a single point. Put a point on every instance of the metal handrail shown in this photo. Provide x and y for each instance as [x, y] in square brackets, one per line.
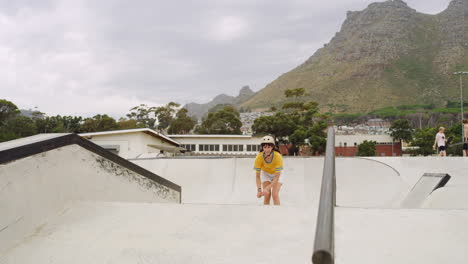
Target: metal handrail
[324, 234]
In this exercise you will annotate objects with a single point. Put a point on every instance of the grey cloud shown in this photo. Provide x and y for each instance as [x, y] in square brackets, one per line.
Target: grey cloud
[161, 51]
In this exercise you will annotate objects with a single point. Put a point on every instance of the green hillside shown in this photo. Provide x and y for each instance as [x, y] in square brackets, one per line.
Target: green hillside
[385, 55]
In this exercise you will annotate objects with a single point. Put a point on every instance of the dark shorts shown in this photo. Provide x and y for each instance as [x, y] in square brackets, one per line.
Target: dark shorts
[441, 148]
[465, 146]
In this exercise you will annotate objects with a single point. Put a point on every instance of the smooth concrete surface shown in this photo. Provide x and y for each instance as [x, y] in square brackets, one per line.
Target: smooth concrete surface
[360, 182]
[368, 183]
[403, 236]
[169, 233]
[232, 180]
[33, 188]
[455, 193]
[221, 220]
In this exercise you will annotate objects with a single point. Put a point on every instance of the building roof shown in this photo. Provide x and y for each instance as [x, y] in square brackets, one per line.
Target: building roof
[148, 131]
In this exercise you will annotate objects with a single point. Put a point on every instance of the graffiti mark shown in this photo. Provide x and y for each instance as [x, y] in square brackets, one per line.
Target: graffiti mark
[115, 169]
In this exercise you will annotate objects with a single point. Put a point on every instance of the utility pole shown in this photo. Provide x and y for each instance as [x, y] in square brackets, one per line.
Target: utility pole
[460, 74]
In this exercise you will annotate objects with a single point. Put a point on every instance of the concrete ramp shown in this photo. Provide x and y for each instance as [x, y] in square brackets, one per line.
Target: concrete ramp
[428, 183]
[42, 175]
[364, 182]
[121, 233]
[232, 180]
[97, 212]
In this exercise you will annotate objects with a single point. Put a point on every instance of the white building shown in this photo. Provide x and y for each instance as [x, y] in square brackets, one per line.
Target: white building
[354, 140]
[219, 144]
[135, 143]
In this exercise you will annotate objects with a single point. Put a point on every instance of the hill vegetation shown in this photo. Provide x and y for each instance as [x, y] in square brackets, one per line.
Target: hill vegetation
[384, 56]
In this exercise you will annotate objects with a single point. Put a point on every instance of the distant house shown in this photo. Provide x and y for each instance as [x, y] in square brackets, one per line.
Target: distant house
[347, 145]
[135, 143]
[378, 122]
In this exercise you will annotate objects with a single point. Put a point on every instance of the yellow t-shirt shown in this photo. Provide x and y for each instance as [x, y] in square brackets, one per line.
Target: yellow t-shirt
[276, 164]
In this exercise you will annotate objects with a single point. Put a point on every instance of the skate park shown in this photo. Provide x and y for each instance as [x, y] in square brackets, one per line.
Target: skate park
[65, 200]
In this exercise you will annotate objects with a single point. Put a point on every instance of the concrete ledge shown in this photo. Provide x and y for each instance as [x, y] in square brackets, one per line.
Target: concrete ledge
[15, 153]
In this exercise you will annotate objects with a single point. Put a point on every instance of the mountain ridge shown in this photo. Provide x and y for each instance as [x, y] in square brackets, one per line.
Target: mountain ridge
[199, 110]
[385, 55]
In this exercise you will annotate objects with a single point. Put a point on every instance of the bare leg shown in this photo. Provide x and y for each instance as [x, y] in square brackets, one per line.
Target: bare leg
[275, 193]
[266, 197]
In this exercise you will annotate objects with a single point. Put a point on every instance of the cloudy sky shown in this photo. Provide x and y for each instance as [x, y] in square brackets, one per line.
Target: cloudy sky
[86, 57]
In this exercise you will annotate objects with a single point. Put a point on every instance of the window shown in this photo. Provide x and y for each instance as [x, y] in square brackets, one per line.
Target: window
[206, 147]
[189, 147]
[345, 144]
[233, 148]
[250, 148]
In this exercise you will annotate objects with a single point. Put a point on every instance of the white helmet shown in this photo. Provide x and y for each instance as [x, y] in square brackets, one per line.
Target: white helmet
[268, 140]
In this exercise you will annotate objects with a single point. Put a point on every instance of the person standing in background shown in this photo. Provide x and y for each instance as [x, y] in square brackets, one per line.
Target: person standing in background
[465, 137]
[440, 142]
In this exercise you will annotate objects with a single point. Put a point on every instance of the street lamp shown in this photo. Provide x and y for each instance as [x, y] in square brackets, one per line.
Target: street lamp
[460, 73]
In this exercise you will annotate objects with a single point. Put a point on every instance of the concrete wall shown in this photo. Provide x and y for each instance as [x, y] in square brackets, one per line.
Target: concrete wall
[360, 182]
[453, 196]
[232, 180]
[33, 188]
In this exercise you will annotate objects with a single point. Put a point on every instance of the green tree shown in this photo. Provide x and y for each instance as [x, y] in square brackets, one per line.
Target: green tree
[7, 110]
[279, 125]
[301, 122]
[144, 115]
[367, 148]
[296, 95]
[455, 132]
[318, 137]
[165, 115]
[17, 127]
[182, 124]
[58, 124]
[424, 140]
[401, 130]
[225, 121]
[124, 123]
[99, 123]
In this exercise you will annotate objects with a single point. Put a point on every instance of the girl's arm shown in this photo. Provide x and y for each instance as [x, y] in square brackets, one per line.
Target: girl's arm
[259, 184]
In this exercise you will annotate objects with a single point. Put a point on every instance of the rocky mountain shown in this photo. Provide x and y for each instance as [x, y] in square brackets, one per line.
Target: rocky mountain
[198, 110]
[385, 55]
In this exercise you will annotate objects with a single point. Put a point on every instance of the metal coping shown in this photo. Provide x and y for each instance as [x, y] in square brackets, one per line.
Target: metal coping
[20, 152]
[323, 252]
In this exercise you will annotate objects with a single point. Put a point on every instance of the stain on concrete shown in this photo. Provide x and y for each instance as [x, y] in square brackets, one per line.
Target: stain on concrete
[156, 188]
